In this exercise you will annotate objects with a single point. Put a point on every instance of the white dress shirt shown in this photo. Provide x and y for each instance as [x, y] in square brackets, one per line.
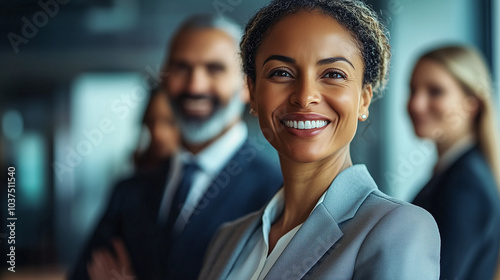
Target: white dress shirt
[210, 161]
[254, 262]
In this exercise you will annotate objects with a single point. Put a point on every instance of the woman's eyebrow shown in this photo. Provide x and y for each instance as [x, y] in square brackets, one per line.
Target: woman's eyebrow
[280, 58]
[321, 62]
[334, 59]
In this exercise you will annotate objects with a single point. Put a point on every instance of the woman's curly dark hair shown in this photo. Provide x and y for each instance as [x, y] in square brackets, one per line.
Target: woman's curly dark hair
[363, 23]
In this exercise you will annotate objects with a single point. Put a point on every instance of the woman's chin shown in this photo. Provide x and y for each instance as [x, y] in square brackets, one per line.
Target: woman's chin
[302, 156]
[423, 133]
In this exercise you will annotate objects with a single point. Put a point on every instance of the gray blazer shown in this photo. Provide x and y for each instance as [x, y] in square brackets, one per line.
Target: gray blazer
[357, 232]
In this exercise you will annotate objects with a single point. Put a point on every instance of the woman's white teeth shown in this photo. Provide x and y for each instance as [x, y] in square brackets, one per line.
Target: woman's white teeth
[305, 124]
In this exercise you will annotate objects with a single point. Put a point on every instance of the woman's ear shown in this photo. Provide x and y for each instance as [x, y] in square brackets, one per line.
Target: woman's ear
[473, 106]
[364, 102]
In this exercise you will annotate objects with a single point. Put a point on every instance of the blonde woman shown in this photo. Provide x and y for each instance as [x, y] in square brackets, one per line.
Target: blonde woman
[451, 104]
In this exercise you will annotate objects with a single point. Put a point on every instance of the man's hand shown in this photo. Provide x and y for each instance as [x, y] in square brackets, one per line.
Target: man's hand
[104, 266]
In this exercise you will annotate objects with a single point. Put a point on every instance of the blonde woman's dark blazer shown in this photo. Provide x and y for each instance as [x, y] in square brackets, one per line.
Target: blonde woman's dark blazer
[465, 203]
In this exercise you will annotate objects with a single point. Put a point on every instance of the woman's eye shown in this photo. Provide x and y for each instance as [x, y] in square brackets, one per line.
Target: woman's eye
[335, 75]
[435, 92]
[279, 73]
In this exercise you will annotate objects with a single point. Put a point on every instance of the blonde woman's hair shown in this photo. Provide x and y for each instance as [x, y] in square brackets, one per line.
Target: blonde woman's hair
[469, 68]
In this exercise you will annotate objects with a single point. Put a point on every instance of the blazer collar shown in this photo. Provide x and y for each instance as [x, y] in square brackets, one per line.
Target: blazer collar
[236, 243]
[315, 237]
[348, 191]
[321, 230]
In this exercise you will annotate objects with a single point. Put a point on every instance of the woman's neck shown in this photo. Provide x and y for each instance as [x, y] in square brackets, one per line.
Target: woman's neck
[453, 151]
[444, 146]
[304, 183]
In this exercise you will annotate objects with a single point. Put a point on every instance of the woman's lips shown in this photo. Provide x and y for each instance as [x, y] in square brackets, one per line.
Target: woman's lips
[304, 125]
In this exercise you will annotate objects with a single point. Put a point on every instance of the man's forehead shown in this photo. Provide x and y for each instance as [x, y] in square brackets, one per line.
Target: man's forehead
[203, 42]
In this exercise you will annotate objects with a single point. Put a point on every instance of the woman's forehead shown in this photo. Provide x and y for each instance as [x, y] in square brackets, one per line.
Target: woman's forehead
[312, 35]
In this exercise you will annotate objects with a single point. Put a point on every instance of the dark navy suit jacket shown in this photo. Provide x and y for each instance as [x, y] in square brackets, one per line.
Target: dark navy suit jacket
[245, 185]
[465, 203]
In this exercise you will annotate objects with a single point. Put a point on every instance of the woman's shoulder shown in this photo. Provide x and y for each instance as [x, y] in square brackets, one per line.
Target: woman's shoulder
[472, 165]
[398, 236]
[387, 220]
[355, 195]
[398, 211]
[470, 178]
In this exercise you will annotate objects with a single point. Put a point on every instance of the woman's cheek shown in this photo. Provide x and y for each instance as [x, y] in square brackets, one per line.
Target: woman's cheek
[266, 114]
[342, 103]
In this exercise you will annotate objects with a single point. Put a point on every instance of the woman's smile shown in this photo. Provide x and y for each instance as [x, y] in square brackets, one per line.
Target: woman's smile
[304, 125]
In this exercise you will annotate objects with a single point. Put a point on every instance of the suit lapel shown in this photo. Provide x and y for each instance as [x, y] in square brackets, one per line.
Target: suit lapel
[235, 245]
[323, 227]
[316, 236]
[222, 182]
[214, 197]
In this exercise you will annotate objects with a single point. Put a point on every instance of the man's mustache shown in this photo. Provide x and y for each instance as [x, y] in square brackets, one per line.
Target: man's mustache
[184, 96]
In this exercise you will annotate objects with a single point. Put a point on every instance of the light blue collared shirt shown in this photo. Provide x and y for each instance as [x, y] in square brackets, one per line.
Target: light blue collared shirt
[210, 162]
[254, 262]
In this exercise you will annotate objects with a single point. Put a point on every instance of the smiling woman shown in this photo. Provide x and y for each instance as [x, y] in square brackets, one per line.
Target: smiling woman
[322, 81]
[312, 69]
[451, 104]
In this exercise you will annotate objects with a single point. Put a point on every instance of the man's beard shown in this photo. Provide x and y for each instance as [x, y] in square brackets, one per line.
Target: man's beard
[196, 130]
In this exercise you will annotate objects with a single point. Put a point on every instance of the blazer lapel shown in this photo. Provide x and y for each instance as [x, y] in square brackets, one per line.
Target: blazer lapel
[316, 236]
[234, 246]
[322, 229]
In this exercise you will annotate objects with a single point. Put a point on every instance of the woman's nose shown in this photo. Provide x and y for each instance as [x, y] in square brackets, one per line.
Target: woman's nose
[305, 93]
[417, 103]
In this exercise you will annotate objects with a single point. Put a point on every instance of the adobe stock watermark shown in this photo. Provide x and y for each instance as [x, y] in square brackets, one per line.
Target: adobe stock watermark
[320, 246]
[223, 6]
[407, 166]
[394, 7]
[30, 28]
[121, 109]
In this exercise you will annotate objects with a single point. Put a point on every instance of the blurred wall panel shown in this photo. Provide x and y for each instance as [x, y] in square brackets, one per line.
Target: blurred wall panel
[95, 150]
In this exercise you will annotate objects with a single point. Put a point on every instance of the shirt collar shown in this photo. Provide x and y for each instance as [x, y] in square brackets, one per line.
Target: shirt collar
[274, 209]
[343, 197]
[454, 152]
[214, 157]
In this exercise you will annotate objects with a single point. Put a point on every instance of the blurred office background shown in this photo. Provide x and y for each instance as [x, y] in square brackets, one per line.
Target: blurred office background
[74, 78]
